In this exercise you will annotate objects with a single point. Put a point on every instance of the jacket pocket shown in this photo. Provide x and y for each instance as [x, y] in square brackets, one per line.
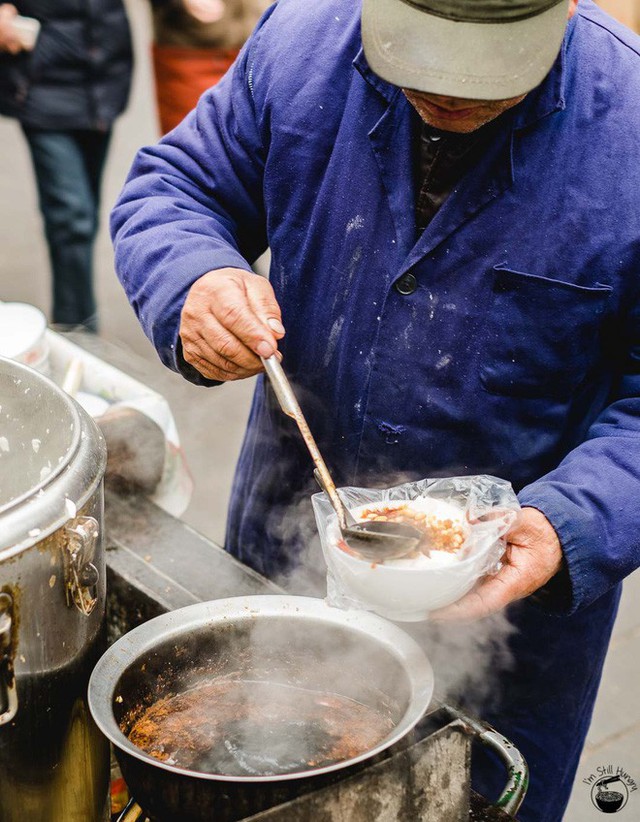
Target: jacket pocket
[542, 335]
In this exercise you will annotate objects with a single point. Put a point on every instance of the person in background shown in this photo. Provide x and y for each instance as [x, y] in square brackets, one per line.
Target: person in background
[195, 42]
[66, 90]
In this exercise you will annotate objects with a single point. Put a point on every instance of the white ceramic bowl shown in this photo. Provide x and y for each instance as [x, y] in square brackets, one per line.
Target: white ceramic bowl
[23, 335]
[407, 590]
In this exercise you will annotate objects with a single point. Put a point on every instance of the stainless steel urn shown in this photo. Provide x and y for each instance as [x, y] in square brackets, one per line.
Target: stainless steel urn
[53, 761]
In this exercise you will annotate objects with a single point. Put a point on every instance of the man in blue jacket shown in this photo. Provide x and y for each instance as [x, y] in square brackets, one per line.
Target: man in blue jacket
[454, 218]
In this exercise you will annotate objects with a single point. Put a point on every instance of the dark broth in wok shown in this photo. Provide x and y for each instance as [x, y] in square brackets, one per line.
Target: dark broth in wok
[252, 728]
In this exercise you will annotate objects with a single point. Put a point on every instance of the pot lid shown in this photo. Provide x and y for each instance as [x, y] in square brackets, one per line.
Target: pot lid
[52, 456]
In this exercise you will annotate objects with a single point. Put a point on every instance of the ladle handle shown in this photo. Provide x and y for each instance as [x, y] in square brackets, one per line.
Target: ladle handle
[349, 519]
[290, 406]
[132, 813]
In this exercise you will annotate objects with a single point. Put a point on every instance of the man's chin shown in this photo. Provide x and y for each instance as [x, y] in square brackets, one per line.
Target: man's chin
[464, 118]
[455, 127]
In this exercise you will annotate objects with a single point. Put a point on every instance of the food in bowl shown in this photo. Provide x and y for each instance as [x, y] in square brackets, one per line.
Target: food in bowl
[445, 566]
[464, 520]
[441, 531]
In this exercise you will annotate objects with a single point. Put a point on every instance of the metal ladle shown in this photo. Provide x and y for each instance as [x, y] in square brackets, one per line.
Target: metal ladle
[375, 540]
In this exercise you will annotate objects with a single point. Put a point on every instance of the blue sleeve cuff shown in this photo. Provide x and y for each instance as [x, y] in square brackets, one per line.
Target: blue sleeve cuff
[164, 332]
[188, 371]
[582, 540]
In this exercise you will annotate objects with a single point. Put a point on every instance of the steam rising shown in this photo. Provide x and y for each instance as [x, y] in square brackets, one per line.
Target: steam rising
[263, 695]
[468, 658]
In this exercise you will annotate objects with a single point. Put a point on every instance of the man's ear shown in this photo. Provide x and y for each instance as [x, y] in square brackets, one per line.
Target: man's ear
[573, 6]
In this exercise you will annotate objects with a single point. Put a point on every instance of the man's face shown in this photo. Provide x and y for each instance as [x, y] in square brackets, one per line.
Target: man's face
[456, 114]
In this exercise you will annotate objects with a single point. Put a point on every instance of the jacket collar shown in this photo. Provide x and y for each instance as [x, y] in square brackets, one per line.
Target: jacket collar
[493, 175]
[551, 95]
[387, 90]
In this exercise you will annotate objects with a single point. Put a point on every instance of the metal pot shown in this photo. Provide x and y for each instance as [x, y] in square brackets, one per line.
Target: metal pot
[295, 641]
[53, 763]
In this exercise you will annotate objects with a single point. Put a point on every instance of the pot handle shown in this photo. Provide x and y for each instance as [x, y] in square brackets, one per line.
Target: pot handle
[81, 575]
[8, 691]
[514, 791]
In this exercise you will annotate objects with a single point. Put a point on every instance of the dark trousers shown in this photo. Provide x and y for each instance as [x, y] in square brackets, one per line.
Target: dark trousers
[68, 167]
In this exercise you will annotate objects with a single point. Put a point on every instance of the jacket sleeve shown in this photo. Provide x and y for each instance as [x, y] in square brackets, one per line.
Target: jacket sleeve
[191, 204]
[592, 497]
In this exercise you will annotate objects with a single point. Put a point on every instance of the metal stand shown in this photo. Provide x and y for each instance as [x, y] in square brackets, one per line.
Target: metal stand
[515, 790]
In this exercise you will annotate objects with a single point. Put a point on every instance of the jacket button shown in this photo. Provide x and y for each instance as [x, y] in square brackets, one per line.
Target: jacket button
[406, 285]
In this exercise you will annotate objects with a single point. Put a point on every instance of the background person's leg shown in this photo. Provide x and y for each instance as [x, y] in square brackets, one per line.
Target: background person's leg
[94, 146]
[68, 194]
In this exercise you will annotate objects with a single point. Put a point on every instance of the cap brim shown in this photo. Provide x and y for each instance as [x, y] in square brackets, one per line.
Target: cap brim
[477, 61]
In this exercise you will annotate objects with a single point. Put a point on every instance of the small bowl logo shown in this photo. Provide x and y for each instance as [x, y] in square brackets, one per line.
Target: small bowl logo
[609, 794]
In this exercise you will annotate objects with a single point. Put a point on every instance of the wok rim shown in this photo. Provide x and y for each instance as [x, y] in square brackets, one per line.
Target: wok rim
[171, 625]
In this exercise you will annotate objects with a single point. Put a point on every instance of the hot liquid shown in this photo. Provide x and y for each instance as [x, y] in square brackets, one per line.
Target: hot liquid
[246, 728]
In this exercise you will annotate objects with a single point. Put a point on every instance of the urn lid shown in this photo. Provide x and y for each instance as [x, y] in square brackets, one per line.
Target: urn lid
[52, 457]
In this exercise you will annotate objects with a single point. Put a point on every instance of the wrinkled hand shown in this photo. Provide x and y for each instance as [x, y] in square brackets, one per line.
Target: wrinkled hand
[9, 38]
[229, 320]
[533, 556]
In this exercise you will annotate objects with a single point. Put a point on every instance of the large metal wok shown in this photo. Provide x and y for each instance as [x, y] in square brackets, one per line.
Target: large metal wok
[292, 641]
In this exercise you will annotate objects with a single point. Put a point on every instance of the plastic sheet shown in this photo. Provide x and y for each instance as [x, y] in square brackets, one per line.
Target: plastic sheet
[483, 507]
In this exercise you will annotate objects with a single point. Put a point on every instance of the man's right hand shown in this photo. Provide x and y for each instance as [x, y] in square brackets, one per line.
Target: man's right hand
[229, 320]
[9, 38]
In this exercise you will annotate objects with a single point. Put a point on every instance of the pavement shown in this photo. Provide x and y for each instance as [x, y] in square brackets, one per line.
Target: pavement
[211, 421]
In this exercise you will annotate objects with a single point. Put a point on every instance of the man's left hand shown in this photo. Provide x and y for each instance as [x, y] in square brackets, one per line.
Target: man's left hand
[533, 556]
